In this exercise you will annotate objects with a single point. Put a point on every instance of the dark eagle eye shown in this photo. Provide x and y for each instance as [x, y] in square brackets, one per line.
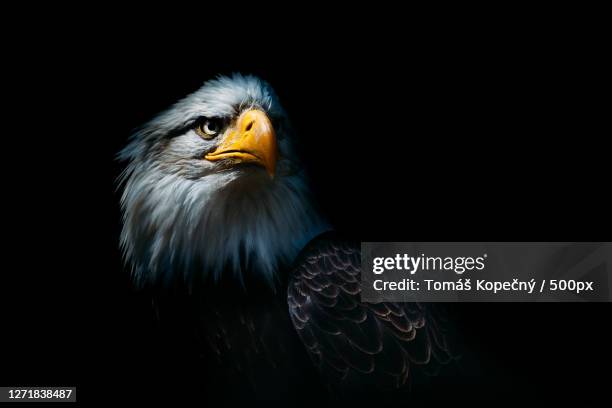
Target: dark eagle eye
[208, 128]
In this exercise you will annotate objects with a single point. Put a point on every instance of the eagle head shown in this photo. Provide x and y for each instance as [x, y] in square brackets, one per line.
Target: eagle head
[213, 188]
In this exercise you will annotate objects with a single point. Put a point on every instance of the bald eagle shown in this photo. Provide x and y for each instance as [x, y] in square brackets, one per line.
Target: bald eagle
[217, 211]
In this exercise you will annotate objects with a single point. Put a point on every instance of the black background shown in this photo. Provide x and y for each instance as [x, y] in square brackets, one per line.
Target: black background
[491, 136]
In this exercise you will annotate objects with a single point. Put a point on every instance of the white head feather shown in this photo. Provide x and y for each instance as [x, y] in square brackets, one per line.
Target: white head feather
[185, 217]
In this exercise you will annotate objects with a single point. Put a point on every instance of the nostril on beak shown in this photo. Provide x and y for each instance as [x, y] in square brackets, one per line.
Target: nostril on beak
[250, 125]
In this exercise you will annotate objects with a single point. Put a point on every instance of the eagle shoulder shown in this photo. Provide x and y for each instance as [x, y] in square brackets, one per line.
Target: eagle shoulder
[357, 345]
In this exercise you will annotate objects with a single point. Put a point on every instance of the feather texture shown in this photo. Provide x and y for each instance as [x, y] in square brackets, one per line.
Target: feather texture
[357, 345]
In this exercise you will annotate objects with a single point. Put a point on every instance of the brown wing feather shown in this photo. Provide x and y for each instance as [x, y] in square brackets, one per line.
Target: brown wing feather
[358, 345]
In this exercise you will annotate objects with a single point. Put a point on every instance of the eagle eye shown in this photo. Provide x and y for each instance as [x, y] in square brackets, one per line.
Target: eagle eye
[208, 128]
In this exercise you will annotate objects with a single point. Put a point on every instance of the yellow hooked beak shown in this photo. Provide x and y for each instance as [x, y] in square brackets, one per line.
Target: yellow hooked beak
[251, 140]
